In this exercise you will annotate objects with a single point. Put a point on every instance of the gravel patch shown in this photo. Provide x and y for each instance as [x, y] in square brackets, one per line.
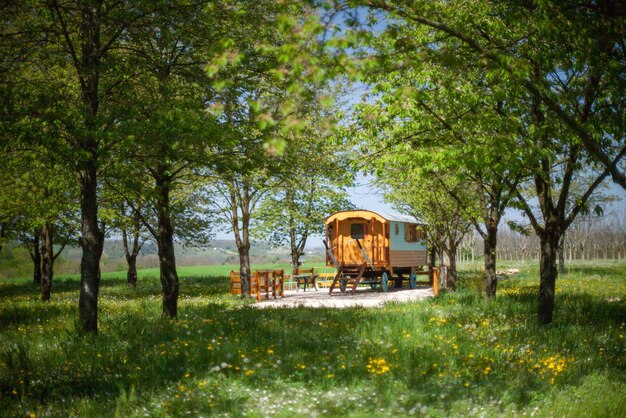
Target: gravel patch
[365, 297]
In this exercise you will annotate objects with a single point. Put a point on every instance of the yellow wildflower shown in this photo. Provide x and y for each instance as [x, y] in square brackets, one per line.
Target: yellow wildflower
[377, 366]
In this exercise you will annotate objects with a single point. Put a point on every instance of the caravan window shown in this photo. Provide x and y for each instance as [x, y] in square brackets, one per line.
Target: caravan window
[358, 231]
[410, 233]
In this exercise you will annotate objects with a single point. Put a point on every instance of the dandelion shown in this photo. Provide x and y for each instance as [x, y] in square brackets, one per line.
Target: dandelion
[377, 366]
[439, 320]
[249, 372]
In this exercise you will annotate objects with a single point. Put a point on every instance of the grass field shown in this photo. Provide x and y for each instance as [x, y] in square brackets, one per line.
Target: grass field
[454, 355]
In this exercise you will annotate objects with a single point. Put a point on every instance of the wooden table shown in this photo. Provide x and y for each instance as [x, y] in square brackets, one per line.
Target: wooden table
[306, 279]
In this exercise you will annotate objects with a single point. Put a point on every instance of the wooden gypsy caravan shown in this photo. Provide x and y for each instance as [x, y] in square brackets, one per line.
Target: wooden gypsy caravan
[373, 248]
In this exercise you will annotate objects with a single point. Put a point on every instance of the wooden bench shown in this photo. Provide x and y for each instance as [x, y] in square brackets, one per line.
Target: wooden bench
[325, 279]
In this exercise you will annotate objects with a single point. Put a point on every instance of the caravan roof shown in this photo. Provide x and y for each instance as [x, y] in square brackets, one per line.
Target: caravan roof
[384, 215]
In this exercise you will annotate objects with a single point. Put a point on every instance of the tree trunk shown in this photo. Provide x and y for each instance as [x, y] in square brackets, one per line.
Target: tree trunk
[132, 252]
[91, 243]
[88, 71]
[165, 241]
[240, 199]
[36, 257]
[131, 274]
[432, 260]
[243, 246]
[490, 241]
[451, 284]
[570, 256]
[3, 232]
[295, 257]
[297, 249]
[451, 281]
[561, 252]
[548, 274]
[244, 269]
[47, 262]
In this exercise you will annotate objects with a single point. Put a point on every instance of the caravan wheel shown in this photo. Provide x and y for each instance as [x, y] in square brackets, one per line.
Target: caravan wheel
[384, 282]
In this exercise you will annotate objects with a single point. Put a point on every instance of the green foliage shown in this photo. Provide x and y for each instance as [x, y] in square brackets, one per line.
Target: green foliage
[453, 355]
[312, 176]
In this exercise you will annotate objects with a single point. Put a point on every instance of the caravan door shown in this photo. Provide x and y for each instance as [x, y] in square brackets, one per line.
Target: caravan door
[351, 231]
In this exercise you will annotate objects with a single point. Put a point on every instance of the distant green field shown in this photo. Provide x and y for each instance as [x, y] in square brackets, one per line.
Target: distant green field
[454, 355]
[184, 271]
[194, 271]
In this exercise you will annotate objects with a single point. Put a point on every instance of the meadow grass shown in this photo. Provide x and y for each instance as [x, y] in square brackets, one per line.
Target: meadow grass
[453, 355]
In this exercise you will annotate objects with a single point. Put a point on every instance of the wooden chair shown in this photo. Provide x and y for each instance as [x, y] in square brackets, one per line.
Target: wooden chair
[235, 283]
[254, 283]
[279, 283]
[267, 284]
[272, 282]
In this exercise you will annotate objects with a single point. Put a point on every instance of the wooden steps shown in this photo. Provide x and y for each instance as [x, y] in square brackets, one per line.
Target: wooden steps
[348, 274]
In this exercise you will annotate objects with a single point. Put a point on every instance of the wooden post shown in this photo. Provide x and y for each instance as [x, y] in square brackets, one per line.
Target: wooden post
[436, 281]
